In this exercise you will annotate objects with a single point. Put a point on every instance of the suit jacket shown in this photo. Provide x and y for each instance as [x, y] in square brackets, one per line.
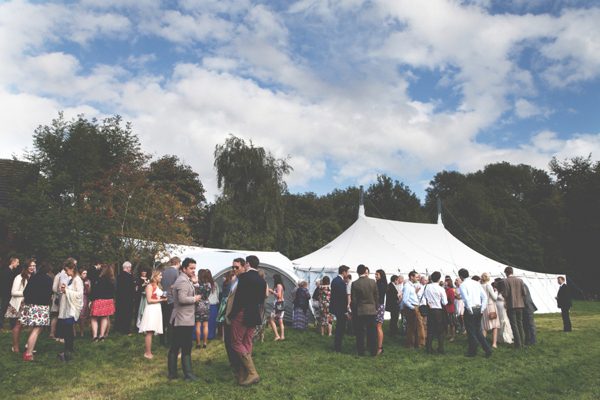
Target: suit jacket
[529, 304]
[564, 297]
[339, 297]
[365, 296]
[125, 287]
[249, 295]
[391, 298]
[184, 310]
[513, 292]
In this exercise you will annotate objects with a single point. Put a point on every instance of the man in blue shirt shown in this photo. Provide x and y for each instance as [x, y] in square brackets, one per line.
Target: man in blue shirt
[415, 333]
[475, 302]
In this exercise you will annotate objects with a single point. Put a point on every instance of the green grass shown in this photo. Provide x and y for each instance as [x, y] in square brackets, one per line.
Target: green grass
[562, 365]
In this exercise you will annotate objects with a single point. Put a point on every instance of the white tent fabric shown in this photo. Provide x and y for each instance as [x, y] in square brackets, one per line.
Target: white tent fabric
[219, 261]
[400, 247]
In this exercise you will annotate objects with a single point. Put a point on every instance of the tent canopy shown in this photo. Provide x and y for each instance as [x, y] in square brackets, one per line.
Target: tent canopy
[219, 261]
[400, 247]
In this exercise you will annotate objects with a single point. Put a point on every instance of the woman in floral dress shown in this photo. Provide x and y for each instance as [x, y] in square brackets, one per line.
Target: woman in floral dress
[203, 289]
[324, 303]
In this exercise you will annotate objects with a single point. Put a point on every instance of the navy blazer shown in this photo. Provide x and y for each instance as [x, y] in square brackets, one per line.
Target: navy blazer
[339, 297]
[564, 297]
[250, 294]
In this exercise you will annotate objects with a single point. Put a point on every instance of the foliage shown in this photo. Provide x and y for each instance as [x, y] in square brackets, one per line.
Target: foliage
[562, 365]
[249, 212]
[132, 217]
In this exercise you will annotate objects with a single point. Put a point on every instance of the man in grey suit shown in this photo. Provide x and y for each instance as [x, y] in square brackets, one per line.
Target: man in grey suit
[513, 293]
[528, 321]
[183, 319]
[364, 296]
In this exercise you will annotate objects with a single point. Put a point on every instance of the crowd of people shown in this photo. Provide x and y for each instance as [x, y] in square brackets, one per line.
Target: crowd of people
[171, 302]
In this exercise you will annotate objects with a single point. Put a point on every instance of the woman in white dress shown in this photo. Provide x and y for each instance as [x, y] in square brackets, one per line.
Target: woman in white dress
[459, 305]
[488, 323]
[151, 321]
[505, 334]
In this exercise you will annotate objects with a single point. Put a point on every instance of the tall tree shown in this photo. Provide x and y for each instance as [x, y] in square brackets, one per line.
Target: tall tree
[392, 199]
[249, 212]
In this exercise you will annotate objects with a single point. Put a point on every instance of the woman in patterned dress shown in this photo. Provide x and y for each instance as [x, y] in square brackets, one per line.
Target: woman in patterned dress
[301, 297]
[37, 298]
[382, 287]
[16, 301]
[324, 303]
[203, 288]
[87, 287]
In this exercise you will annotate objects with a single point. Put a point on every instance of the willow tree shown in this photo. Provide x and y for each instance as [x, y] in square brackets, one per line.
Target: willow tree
[249, 212]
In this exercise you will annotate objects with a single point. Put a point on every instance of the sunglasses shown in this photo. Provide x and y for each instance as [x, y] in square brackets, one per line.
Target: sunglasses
[234, 267]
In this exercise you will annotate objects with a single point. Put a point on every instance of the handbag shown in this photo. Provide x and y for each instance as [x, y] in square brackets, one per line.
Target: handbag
[493, 315]
[279, 306]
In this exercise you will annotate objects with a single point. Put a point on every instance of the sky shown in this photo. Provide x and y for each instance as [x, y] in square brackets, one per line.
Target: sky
[348, 89]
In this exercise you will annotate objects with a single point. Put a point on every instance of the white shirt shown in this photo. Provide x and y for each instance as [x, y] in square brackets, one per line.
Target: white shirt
[435, 295]
[349, 288]
[472, 295]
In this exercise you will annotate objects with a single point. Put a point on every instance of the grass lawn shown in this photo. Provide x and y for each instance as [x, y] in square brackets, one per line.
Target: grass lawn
[562, 365]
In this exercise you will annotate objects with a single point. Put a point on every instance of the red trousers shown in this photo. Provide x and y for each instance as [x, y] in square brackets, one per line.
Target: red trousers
[241, 336]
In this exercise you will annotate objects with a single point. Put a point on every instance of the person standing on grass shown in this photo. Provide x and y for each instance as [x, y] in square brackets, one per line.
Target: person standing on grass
[364, 300]
[103, 305]
[487, 322]
[339, 305]
[349, 327]
[238, 267]
[436, 300]
[316, 305]
[451, 320]
[125, 296]
[513, 293]
[325, 307]
[169, 276]
[475, 303]
[9, 273]
[244, 316]
[151, 321]
[71, 303]
[423, 309]
[182, 319]
[59, 279]
[564, 303]
[415, 333]
[87, 288]
[301, 296]
[382, 287]
[528, 320]
[36, 308]
[278, 291]
[16, 301]
[391, 304]
[202, 289]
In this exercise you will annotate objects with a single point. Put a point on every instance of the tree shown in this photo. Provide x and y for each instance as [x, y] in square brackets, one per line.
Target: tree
[393, 200]
[249, 212]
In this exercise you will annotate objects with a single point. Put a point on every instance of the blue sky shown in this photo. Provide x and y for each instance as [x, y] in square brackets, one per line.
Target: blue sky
[347, 88]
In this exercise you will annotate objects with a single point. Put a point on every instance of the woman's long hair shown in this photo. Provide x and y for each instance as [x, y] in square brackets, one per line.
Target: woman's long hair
[25, 271]
[107, 270]
[208, 278]
[383, 278]
[155, 273]
[278, 280]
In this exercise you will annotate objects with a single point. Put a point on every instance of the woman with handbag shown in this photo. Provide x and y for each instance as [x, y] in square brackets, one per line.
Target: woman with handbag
[278, 306]
[301, 297]
[489, 320]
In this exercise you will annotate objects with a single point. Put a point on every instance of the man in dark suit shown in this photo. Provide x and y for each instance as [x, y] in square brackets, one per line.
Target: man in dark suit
[124, 296]
[392, 306]
[564, 303]
[364, 296]
[528, 321]
[245, 315]
[339, 305]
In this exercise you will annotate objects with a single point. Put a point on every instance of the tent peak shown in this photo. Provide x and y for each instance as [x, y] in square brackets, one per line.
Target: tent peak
[361, 203]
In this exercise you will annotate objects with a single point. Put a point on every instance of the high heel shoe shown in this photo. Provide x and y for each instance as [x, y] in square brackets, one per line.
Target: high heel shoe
[27, 357]
[94, 340]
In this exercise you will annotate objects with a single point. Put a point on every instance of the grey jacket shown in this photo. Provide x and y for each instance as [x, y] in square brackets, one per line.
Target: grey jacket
[184, 309]
[364, 296]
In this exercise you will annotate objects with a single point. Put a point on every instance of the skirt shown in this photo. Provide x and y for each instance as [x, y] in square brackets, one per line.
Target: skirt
[35, 315]
[202, 311]
[300, 320]
[84, 309]
[222, 307]
[12, 312]
[487, 323]
[102, 308]
[380, 313]
[452, 319]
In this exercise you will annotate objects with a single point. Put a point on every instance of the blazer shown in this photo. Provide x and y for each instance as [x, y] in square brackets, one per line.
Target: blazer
[249, 295]
[513, 292]
[365, 296]
[529, 304]
[125, 287]
[564, 297]
[391, 298]
[339, 297]
[184, 310]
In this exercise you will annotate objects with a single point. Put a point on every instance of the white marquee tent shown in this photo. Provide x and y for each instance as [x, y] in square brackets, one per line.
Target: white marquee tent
[400, 247]
[219, 261]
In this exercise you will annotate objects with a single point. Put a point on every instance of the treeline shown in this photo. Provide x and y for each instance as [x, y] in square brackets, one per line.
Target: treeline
[88, 191]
